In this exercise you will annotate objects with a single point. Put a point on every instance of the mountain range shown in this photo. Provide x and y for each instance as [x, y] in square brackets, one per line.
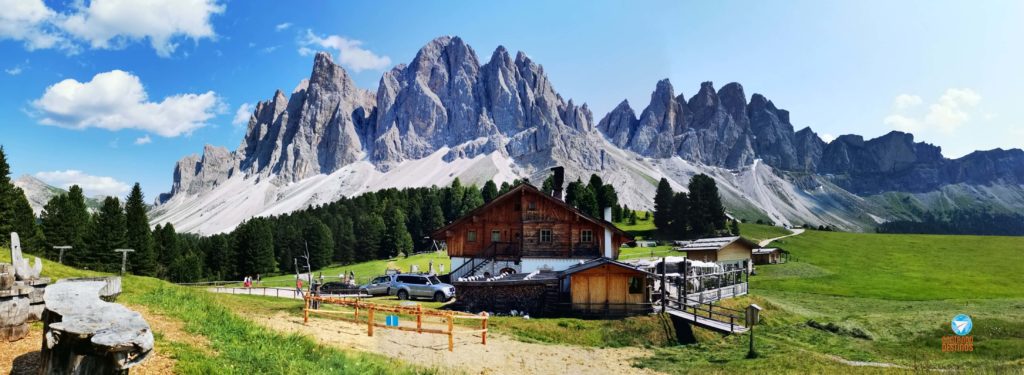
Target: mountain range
[39, 193]
[447, 114]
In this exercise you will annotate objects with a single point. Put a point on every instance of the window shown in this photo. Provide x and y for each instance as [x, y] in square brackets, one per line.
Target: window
[636, 285]
[532, 206]
[587, 235]
[495, 236]
[415, 280]
[471, 236]
[545, 235]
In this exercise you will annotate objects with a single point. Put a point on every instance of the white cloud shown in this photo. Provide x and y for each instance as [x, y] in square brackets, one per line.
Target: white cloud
[110, 24]
[144, 140]
[283, 26]
[953, 109]
[828, 138]
[269, 49]
[242, 114]
[116, 100]
[30, 22]
[904, 101]
[13, 71]
[91, 185]
[350, 52]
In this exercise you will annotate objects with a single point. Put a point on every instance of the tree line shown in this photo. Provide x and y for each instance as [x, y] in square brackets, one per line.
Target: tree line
[975, 222]
[697, 214]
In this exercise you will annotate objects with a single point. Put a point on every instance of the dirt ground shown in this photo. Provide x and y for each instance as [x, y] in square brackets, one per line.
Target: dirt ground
[501, 355]
[22, 356]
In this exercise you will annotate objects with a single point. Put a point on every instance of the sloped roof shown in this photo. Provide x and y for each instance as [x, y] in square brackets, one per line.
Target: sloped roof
[715, 244]
[439, 233]
[598, 262]
[767, 250]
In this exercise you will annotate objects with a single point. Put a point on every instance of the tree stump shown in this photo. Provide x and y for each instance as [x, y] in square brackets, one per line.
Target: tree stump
[83, 334]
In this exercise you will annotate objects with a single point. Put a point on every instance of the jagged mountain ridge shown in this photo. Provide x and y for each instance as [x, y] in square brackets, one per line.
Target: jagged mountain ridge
[720, 128]
[445, 115]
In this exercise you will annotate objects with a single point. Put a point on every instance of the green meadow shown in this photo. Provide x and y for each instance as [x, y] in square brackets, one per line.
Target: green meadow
[883, 299]
[236, 345]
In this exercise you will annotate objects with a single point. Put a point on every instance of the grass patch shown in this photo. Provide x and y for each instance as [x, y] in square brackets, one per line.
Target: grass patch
[759, 232]
[640, 331]
[648, 252]
[368, 270]
[903, 267]
[239, 346]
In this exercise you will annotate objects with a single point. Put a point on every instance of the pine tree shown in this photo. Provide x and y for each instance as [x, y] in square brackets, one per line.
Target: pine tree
[735, 227]
[573, 192]
[24, 221]
[289, 242]
[167, 249]
[706, 211]
[608, 197]
[7, 197]
[370, 226]
[74, 221]
[663, 205]
[586, 201]
[345, 238]
[320, 243]
[505, 187]
[107, 234]
[490, 191]
[596, 186]
[471, 199]
[680, 216]
[138, 235]
[453, 200]
[254, 244]
[396, 238]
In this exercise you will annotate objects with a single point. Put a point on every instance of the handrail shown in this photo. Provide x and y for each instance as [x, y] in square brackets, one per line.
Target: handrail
[491, 249]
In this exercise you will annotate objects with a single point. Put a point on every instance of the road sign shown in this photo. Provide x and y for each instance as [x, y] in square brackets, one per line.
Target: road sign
[391, 320]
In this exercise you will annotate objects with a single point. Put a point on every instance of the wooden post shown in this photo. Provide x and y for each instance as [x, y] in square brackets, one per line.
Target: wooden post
[419, 318]
[451, 329]
[483, 326]
[305, 311]
[356, 316]
[369, 322]
[664, 269]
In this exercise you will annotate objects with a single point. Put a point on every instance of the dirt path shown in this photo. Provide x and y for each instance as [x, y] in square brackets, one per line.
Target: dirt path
[795, 231]
[501, 355]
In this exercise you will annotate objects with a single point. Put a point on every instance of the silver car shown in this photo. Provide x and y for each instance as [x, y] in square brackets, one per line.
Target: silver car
[379, 286]
[408, 286]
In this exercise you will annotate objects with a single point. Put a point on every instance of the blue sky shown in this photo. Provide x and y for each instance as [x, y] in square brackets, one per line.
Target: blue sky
[106, 94]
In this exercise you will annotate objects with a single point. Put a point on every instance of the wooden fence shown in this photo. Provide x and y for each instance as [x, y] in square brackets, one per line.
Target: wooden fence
[369, 309]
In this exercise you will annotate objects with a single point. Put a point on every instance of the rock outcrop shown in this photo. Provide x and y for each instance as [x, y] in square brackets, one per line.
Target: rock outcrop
[719, 128]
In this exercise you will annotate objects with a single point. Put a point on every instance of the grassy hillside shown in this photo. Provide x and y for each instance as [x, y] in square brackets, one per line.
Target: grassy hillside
[366, 270]
[235, 345]
[758, 232]
[875, 298]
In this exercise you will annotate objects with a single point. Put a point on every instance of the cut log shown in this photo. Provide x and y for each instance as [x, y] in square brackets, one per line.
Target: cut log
[83, 334]
[13, 310]
[13, 333]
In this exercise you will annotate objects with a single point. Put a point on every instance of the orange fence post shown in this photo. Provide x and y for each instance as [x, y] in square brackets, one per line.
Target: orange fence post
[356, 316]
[483, 326]
[451, 328]
[305, 312]
[419, 318]
[369, 323]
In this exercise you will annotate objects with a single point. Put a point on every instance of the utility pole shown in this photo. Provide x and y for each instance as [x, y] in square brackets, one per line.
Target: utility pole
[124, 257]
[61, 248]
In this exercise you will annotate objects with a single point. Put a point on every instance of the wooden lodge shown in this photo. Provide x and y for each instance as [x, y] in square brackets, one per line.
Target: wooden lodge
[528, 251]
[729, 252]
[526, 230]
[769, 256]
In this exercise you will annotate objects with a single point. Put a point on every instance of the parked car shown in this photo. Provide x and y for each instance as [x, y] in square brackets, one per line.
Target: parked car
[336, 287]
[379, 286]
[409, 286]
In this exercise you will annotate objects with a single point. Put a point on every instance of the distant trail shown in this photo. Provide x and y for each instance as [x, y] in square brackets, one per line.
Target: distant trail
[796, 231]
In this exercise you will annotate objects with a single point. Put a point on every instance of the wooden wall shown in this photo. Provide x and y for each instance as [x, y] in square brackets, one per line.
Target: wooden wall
[735, 251]
[606, 284]
[703, 256]
[526, 215]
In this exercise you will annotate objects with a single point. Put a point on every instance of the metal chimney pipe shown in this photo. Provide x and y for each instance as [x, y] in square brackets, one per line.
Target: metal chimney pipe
[608, 253]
